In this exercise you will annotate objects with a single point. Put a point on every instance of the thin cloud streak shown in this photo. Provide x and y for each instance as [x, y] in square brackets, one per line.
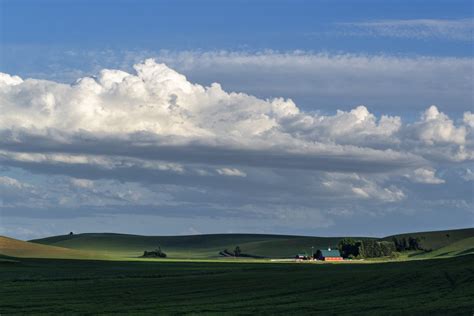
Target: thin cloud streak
[457, 30]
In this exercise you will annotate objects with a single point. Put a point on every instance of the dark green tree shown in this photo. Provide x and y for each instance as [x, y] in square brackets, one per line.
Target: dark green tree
[376, 249]
[157, 253]
[405, 244]
[318, 254]
[348, 247]
[413, 243]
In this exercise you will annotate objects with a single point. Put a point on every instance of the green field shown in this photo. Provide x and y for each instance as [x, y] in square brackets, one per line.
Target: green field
[51, 286]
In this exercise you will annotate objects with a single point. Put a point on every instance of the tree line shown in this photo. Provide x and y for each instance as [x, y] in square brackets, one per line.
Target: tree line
[404, 243]
[351, 248]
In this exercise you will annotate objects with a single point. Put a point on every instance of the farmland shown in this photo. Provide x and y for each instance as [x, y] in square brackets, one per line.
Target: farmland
[437, 286]
[111, 278]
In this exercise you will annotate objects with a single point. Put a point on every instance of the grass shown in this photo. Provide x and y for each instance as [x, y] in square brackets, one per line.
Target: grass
[209, 246]
[51, 286]
[461, 247]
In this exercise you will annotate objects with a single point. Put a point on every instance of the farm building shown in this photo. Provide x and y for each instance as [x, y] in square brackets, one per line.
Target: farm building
[301, 257]
[329, 255]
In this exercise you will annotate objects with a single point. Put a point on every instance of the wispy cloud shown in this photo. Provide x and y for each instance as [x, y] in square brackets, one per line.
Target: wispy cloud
[460, 29]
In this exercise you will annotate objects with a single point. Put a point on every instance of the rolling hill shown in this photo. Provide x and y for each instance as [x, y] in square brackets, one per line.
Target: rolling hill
[437, 239]
[270, 246]
[193, 246]
[10, 247]
[461, 247]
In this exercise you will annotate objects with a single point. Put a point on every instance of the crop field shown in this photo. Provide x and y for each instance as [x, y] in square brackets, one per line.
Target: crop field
[57, 286]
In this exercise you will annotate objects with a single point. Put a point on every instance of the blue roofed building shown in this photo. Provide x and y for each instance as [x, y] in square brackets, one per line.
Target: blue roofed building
[328, 254]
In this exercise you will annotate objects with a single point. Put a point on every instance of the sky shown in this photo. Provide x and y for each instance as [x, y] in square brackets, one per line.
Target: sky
[323, 118]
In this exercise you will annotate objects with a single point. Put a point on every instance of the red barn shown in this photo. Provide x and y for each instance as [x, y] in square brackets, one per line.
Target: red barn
[329, 255]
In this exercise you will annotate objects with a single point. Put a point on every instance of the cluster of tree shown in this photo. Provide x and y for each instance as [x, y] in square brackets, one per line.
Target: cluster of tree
[375, 249]
[157, 253]
[404, 243]
[350, 248]
[236, 253]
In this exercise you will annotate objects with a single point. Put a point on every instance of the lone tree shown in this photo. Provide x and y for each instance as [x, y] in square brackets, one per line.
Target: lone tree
[318, 254]
[237, 251]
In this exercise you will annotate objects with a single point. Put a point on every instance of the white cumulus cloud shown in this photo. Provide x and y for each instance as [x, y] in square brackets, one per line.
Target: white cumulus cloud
[425, 175]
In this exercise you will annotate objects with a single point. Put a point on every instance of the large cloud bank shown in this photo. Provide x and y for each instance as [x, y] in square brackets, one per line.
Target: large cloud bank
[154, 127]
[157, 109]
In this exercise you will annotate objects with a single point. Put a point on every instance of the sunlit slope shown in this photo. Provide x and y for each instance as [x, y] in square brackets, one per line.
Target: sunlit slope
[457, 248]
[10, 247]
[437, 239]
[195, 246]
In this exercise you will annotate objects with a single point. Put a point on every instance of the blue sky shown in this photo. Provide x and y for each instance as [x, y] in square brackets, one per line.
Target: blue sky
[230, 25]
[356, 116]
